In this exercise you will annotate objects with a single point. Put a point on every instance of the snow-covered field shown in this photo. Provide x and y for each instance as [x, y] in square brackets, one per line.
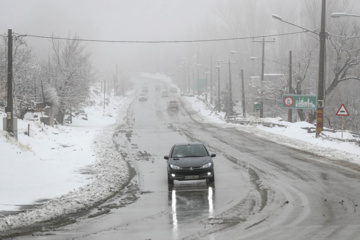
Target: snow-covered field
[64, 167]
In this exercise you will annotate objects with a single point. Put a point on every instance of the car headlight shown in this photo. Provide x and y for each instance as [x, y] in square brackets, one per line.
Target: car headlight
[175, 167]
[206, 165]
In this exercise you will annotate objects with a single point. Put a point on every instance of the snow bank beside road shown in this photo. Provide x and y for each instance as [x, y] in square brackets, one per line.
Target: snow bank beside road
[292, 134]
[86, 142]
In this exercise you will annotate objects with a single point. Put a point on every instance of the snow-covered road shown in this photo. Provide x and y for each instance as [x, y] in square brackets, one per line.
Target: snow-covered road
[60, 157]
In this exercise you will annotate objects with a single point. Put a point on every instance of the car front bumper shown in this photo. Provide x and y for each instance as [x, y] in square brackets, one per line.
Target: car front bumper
[191, 175]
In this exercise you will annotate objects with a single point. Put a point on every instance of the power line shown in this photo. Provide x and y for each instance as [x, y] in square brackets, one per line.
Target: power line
[161, 41]
[304, 57]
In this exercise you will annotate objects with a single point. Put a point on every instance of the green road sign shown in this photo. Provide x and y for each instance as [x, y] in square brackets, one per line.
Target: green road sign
[299, 101]
[200, 84]
[257, 106]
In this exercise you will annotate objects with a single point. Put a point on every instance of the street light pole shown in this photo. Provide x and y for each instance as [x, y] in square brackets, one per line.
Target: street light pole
[322, 37]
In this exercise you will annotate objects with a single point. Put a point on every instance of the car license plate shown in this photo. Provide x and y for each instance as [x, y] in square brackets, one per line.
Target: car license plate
[192, 177]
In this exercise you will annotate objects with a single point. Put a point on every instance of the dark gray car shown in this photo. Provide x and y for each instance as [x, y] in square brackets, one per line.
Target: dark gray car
[190, 161]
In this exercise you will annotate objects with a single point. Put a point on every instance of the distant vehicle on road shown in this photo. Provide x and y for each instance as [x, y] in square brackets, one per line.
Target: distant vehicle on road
[143, 98]
[187, 94]
[173, 105]
[82, 114]
[165, 94]
[173, 90]
[145, 89]
[190, 161]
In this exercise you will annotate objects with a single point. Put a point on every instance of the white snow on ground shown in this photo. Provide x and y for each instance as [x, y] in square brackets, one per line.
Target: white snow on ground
[49, 164]
[329, 144]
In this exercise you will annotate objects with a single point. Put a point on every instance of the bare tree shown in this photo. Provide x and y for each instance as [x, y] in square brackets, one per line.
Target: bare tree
[72, 74]
[346, 58]
[25, 71]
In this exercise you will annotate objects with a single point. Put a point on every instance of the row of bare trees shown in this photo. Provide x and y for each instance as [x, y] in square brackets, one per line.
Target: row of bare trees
[63, 81]
[247, 20]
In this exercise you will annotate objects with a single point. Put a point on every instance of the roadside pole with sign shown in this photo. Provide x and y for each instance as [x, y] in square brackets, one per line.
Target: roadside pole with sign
[292, 101]
[257, 106]
[342, 112]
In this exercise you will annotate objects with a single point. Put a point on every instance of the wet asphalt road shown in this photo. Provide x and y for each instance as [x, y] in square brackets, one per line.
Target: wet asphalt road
[262, 190]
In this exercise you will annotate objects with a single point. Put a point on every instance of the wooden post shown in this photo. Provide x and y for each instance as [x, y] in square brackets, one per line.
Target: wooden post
[290, 85]
[342, 126]
[243, 93]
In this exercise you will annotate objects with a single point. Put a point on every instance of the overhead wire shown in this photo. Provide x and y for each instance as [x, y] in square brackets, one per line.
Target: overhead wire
[157, 41]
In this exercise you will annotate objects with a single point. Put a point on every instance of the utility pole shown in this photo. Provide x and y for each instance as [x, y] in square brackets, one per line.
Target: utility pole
[262, 76]
[231, 104]
[322, 36]
[104, 94]
[320, 105]
[9, 108]
[211, 80]
[116, 82]
[243, 93]
[290, 85]
[206, 85]
[188, 76]
[262, 79]
[219, 104]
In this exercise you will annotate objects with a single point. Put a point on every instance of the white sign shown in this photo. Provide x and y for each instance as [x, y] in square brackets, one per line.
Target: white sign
[342, 111]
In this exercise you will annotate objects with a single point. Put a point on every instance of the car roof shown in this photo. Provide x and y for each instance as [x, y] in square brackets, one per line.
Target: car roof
[189, 143]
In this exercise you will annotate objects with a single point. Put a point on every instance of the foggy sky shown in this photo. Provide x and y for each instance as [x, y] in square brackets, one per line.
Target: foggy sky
[129, 20]
[105, 20]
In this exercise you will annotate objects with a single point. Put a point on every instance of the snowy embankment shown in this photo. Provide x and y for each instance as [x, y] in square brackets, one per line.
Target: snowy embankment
[102, 174]
[294, 135]
[329, 145]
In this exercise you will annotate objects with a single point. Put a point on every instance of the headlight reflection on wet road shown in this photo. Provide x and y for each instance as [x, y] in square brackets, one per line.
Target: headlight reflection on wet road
[189, 202]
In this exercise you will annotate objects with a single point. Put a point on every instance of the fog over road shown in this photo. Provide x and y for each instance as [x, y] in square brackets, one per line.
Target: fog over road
[262, 190]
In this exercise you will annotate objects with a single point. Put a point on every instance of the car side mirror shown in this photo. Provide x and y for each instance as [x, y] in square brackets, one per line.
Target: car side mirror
[213, 155]
[166, 157]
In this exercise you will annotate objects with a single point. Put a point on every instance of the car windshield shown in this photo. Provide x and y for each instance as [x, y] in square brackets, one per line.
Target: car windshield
[192, 150]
